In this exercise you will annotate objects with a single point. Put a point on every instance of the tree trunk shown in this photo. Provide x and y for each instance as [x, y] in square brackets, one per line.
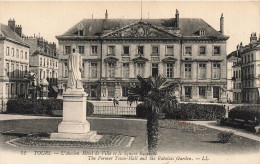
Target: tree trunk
[152, 131]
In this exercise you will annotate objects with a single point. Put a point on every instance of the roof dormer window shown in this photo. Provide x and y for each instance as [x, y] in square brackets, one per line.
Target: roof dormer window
[202, 32]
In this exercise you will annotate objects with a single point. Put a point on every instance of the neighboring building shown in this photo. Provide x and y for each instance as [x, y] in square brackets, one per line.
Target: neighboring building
[44, 62]
[250, 68]
[115, 51]
[14, 61]
[232, 63]
[237, 98]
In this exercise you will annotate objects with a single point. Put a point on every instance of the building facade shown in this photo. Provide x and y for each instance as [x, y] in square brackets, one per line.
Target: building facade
[44, 63]
[14, 62]
[115, 51]
[250, 68]
[236, 79]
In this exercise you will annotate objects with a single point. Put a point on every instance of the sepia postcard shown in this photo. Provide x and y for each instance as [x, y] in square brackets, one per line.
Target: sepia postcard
[160, 82]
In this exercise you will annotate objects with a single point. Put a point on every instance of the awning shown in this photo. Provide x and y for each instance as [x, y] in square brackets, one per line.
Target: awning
[55, 88]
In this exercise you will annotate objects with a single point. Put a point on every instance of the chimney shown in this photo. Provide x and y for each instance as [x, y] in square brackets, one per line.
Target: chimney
[11, 24]
[177, 19]
[253, 38]
[222, 24]
[18, 30]
[106, 15]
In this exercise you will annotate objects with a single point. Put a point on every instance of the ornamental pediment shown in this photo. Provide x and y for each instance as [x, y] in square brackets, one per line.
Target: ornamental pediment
[111, 60]
[140, 59]
[169, 60]
[140, 30]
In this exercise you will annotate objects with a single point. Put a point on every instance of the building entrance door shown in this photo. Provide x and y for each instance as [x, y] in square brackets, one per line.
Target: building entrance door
[216, 92]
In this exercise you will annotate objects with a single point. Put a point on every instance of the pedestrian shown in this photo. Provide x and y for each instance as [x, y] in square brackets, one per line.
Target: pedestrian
[114, 101]
[117, 101]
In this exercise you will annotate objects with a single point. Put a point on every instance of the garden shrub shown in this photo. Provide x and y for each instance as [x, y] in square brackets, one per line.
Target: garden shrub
[39, 107]
[192, 111]
[246, 113]
[225, 137]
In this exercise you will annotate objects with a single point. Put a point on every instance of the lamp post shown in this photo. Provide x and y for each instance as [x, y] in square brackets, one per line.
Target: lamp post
[44, 88]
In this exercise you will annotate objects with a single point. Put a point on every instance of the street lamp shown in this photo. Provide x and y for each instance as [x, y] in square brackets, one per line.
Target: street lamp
[44, 88]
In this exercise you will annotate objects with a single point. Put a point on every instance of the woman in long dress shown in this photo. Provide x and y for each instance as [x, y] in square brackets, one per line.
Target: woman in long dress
[74, 67]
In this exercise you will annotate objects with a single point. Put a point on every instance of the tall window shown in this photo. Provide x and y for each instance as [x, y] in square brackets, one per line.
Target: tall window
[169, 70]
[21, 69]
[47, 62]
[40, 74]
[216, 50]
[155, 50]
[110, 91]
[44, 62]
[17, 53]
[154, 69]
[25, 55]
[21, 55]
[188, 51]
[81, 49]
[126, 50]
[12, 70]
[67, 50]
[111, 70]
[140, 69]
[7, 69]
[202, 71]
[140, 50]
[187, 91]
[93, 68]
[94, 49]
[202, 92]
[125, 71]
[111, 50]
[187, 73]
[17, 70]
[202, 50]
[7, 51]
[216, 71]
[124, 91]
[13, 52]
[25, 70]
[43, 74]
[65, 70]
[169, 50]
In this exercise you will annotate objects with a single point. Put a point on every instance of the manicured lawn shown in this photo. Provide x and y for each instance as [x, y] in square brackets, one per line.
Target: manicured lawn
[175, 137]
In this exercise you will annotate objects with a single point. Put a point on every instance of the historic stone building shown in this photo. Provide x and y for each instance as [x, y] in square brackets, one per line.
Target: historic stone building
[44, 62]
[14, 62]
[250, 68]
[115, 51]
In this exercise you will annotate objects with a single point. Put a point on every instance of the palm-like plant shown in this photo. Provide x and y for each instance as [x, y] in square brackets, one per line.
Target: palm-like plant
[155, 92]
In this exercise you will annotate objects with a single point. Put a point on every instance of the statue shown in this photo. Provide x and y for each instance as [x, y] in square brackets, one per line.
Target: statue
[74, 67]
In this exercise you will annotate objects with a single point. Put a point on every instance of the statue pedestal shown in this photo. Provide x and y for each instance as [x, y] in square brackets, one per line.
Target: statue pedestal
[74, 125]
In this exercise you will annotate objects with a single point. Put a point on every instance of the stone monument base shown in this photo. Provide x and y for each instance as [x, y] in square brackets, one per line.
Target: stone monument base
[74, 136]
[74, 125]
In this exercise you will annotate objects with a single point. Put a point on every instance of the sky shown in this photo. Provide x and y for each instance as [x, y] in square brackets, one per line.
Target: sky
[51, 18]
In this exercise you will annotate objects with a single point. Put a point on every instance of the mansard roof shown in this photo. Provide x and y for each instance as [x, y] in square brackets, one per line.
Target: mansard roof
[188, 27]
[7, 33]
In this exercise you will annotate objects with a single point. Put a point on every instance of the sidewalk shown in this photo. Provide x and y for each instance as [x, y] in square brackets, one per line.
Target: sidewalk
[4, 117]
[215, 125]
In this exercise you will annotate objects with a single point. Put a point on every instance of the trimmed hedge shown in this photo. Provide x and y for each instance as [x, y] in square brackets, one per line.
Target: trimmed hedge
[193, 111]
[245, 113]
[188, 111]
[39, 107]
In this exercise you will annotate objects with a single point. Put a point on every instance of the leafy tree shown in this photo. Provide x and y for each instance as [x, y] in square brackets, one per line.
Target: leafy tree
[156, 93]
